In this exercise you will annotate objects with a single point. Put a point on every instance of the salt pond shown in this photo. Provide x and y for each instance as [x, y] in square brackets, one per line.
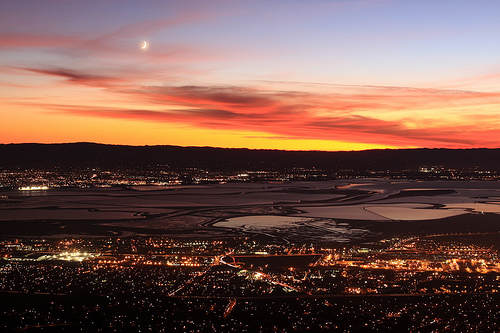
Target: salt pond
[295, 227]
[313, 208]
[262, 222]
[62, 214]
[384, 212]
[488, 207]
[413, 212]
[354, 212]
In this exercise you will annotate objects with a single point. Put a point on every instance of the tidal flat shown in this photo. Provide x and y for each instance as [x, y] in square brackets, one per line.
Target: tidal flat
[356, 210]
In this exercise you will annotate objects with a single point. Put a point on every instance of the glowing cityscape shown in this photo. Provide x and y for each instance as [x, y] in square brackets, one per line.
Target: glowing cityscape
[249, 166]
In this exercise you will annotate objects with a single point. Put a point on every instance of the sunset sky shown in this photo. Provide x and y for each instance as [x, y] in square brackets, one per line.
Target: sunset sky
[280, 74]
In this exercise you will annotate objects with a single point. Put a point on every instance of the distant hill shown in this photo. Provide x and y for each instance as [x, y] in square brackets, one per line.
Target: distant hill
[78, 155]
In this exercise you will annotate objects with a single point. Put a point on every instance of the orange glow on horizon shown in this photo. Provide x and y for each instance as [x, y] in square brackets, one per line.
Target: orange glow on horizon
[64, 128]
[107, 110]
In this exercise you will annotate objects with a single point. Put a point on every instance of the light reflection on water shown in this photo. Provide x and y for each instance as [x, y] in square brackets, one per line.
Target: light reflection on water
[31, 193]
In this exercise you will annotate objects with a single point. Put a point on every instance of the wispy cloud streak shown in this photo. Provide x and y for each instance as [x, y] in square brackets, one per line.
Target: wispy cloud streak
[363, 114]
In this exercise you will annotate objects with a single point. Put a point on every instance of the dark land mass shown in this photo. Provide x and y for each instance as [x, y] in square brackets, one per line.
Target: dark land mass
[468, 225]
[91, 155]
[416, 193]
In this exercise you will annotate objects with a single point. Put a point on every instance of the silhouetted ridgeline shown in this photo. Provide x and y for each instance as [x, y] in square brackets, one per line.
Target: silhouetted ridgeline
[77, 155]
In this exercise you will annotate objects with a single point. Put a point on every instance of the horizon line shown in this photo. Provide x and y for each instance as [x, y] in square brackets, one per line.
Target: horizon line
[240, 148]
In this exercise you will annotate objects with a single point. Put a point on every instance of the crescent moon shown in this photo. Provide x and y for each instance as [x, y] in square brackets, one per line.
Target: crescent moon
[145, 45]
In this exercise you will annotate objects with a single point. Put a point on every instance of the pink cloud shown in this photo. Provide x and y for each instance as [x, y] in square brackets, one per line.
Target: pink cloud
[78, 77]
[348, 113]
